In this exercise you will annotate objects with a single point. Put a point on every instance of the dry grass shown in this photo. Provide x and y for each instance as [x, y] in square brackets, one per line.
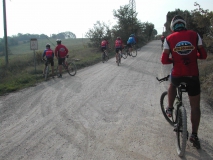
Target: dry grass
[206, 77]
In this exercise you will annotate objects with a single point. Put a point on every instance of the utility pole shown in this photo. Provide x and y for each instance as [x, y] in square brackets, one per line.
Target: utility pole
[5, 33]
[132, 6]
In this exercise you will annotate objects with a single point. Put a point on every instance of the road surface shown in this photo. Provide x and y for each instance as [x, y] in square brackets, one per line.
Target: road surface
[105, 112]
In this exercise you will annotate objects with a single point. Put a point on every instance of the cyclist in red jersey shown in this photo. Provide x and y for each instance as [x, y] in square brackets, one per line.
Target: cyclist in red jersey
[49, 56]
[104, 44]
[185, 47]
[118, 46]
[61, 52]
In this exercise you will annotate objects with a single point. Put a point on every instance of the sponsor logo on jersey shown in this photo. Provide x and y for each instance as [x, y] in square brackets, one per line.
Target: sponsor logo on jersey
[183, 48]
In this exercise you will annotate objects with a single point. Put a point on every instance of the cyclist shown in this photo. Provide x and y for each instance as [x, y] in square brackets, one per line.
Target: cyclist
[118, 47]
[49, 56]
[185, 47]
[61, 52]
[162, 40]
[104, 44]
[131, 41]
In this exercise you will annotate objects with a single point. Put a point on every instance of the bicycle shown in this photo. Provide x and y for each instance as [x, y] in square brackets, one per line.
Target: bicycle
[68, 66]
[118, 58]
[124, 53]
[105, 56]
[46, 71]
[179, 118]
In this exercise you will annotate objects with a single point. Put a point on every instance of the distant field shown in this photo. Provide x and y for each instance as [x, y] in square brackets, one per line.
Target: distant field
[70, 43]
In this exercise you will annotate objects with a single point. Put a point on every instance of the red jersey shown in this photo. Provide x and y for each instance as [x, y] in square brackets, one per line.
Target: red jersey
[61, 51]
[118, 43]
[48, 53]
[104, 43]
[184, 47]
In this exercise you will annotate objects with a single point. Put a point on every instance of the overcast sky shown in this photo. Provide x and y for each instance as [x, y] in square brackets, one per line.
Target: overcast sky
[78, 16]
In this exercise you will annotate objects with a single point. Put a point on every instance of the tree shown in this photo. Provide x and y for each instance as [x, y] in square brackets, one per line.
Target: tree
[98, 32]
[127, 23]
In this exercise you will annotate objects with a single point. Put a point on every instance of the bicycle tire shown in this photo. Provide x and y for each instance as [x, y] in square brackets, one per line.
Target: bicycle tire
[103, 57]
[106, 56]
[134, 52]
[181, 131]
[72, 70]
[164, 105]
[124, 55]
[46, 72]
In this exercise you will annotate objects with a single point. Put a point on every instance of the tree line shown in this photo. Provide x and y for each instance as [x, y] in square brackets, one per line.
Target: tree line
[25, 38]
[199, 20]
[127, 23]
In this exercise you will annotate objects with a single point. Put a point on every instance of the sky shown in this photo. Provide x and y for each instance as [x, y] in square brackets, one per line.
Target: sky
[78, 16]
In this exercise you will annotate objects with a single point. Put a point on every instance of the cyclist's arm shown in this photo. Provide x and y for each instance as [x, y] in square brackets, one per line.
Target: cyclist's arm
[201, 51]
[165, 57]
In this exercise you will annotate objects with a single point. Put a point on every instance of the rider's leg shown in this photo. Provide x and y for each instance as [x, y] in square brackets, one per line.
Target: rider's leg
[44, 70]
[171, 97]
[195, 119]
[195, 112]
[52, 70]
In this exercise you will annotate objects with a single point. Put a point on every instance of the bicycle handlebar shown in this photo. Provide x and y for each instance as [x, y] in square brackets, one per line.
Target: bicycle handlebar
[163, 79]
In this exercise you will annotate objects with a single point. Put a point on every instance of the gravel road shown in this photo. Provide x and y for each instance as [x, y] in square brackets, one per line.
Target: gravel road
[105, 112]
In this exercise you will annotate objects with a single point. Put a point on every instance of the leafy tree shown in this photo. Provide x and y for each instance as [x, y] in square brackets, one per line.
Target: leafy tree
[98, 32]
[128, 23]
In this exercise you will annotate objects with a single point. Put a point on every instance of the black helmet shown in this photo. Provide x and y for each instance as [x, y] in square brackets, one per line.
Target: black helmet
[47, 45]
[58, 41]
[177, 20]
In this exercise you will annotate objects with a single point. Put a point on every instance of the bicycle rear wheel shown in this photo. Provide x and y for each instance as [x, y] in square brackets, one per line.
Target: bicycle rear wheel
[106, 56]
[134, 52]
[71, 68]
[46, 72]
[164, 104]
[103, 57]
[181, 131]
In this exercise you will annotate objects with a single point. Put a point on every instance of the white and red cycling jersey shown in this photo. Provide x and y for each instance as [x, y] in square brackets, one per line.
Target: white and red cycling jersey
[183, 46]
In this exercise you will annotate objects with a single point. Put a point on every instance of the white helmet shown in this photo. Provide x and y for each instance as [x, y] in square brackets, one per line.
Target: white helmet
[175, 20]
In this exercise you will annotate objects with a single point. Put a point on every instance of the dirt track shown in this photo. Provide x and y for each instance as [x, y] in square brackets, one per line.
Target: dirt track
[105, 112]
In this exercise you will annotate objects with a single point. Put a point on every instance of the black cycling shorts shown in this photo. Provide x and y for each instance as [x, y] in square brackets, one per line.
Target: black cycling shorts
[118, 49]
[193, 84]
[50, 60]
[60, 61]
[103, 48]
[129, 45]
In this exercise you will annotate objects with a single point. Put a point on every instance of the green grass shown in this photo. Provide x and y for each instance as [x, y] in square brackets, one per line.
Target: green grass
[21, 71]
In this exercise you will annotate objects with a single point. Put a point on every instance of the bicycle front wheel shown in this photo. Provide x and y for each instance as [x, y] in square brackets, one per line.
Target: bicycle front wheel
[134, 52]
[181, 131]
[71, 68]
[164, 104]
